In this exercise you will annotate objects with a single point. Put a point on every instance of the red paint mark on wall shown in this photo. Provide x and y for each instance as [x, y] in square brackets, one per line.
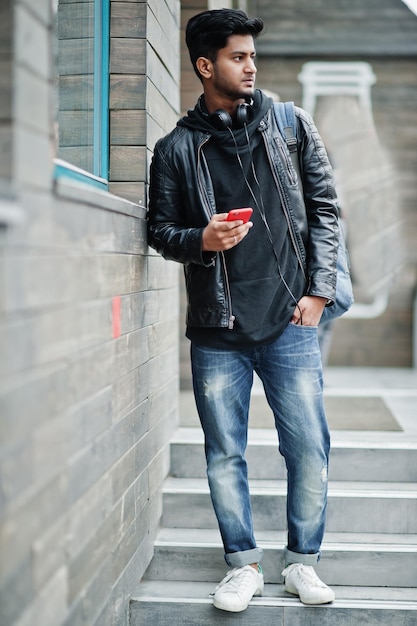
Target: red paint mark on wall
[116, 316]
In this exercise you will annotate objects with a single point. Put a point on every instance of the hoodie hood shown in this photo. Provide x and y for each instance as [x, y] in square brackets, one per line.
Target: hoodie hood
[194, 120]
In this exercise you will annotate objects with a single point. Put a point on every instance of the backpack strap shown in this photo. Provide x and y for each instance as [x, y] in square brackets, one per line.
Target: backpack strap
[285, 118]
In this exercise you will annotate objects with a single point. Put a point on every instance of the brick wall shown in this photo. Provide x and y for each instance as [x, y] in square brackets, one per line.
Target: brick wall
[86, 410]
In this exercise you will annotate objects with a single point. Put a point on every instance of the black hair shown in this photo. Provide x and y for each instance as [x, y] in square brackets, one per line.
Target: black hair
[207, 32]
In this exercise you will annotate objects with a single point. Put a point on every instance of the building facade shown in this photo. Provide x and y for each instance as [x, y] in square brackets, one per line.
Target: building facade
[377, 157]
[89, 362]
[376, 184]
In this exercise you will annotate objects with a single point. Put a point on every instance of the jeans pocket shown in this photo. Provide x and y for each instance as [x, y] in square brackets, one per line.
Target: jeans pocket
[303, 326]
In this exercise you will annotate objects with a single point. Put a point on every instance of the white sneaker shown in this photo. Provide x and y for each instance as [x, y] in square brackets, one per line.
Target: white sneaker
[301, 580]
[237, 588]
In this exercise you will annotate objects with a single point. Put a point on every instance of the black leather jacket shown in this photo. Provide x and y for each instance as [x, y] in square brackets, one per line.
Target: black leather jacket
[181, 203]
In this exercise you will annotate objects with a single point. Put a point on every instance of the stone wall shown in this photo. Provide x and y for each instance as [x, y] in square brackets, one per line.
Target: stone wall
[89, 362]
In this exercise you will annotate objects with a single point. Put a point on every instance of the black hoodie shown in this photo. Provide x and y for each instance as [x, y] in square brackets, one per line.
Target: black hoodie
[265, 279]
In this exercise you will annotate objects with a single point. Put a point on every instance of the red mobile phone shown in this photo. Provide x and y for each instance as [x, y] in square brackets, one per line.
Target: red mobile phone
[239, 214]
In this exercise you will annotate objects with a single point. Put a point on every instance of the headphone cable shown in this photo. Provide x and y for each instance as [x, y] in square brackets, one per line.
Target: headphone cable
[262, 210]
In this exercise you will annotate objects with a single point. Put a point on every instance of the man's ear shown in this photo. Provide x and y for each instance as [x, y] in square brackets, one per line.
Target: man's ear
[205, 67]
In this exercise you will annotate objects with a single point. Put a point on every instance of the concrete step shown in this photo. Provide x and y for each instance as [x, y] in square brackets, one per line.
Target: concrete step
[367, 507]
[168, 603]
[350, 459]
[347, 559]
[350, 409]
[369, 554]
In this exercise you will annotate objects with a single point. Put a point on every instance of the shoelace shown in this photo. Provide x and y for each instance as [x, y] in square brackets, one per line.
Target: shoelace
[235, 579]
[307, 574]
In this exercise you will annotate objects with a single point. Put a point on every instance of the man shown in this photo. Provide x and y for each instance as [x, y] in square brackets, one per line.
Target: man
[256, 291]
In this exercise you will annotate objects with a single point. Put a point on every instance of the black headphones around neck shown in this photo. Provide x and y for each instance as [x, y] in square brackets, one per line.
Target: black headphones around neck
[222, 120]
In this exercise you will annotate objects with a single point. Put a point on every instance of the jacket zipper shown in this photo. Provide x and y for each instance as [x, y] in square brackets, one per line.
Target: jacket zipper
[228, 294]
[284, 205]
[210, 213]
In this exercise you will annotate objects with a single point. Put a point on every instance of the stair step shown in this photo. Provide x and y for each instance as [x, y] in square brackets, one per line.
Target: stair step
[349, 460]
[347, 559]
[166, 603]
[352, 507]
[348, 409]
[369, 553]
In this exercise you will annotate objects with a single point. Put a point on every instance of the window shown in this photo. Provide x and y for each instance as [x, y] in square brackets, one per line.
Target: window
[82, 118]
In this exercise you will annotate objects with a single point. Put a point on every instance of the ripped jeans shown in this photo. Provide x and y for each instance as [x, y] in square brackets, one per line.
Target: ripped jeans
[291, 373]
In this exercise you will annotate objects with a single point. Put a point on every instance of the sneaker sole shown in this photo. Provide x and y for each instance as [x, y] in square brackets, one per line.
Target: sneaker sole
[237, 608]
[330, 598]
[229, 609]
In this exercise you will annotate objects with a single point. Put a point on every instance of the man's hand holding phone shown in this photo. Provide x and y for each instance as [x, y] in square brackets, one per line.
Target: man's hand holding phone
[226, 230]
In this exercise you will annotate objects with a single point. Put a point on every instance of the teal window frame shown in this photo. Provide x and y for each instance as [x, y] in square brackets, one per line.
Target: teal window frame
[99, 176]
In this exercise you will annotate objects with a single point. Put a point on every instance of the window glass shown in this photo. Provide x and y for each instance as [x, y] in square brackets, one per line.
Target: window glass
[82, 86]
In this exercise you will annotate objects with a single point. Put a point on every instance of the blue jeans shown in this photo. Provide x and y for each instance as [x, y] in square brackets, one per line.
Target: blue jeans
[291, 373]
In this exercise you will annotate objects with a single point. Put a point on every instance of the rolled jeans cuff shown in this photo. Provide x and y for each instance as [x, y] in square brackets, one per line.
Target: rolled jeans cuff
[296, 557]
[246, 557]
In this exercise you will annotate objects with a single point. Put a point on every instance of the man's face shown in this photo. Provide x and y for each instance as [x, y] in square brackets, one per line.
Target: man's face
[234, 69]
